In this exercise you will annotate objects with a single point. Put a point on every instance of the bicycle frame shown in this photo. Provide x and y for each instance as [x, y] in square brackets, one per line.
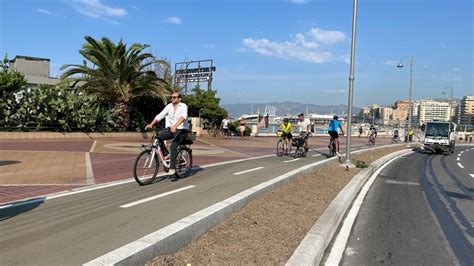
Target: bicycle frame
[156, 149]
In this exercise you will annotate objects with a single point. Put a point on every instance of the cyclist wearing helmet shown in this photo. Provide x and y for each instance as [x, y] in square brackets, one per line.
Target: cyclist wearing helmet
[334, 125]
[286, 129]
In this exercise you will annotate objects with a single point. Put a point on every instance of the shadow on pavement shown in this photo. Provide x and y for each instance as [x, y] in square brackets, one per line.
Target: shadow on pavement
[12, 210]
[3, 163]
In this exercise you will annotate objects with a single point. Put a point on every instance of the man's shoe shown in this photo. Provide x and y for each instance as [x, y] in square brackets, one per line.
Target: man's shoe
[171, 172]
[338, 154]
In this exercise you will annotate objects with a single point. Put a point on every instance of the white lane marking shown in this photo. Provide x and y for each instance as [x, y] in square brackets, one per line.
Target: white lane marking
[472, 175]
[459, 158]
[292, 160]
[401, 182]
[89, 173]
[461, 152]
[316, 155]
[93, 146]
[155, 197]
[338, 248]
[247, 171]
[460, 165]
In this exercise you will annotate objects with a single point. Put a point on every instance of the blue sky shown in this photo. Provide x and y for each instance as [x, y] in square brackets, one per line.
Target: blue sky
[287, 50]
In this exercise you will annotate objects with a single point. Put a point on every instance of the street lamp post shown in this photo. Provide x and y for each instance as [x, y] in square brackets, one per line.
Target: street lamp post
[351, 84]
[400, 65]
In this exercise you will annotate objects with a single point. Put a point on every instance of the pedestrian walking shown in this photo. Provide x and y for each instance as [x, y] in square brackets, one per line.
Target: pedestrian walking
[225, 127]
[243, 123]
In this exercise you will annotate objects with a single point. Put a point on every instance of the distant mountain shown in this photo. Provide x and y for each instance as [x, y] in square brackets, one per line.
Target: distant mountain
[286, 108]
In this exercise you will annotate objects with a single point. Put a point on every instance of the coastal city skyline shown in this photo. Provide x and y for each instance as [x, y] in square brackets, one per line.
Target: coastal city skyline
[292, 51]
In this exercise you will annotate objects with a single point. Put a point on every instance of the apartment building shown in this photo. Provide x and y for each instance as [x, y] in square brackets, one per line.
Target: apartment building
[400, 113]
[466, 111]
[386, 114]
[35, 69]
[430, 110]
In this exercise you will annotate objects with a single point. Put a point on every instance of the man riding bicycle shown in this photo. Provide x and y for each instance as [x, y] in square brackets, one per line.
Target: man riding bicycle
[372, 133]
[396, 134]
[286, 129]
[304, 128]
[334, 125]
[176, 114]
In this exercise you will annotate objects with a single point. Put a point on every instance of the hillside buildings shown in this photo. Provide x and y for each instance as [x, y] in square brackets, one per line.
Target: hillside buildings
[459, 111]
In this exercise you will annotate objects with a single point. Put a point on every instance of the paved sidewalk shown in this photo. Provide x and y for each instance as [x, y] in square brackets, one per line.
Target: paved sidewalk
[31, 168]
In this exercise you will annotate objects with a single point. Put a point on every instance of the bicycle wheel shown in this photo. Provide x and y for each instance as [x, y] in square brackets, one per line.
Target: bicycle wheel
[146, 167]
[297, 152]
[280, 147]
[184, 162]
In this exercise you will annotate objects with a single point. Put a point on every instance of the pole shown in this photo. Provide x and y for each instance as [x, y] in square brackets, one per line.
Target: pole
[409, 93]
[351, 83]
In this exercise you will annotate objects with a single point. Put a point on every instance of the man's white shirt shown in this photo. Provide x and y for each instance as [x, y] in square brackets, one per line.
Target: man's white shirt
[225, 123]
[303, 125]
[172, 116]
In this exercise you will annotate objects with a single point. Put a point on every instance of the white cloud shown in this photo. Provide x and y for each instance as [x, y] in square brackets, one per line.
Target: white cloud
[173, 20]
[442, 45]
[95, 9]
[304, 47]
[391, 62]
[327, 36]
[299, 1]
[49, 13]
[45, 12]
[208, 46]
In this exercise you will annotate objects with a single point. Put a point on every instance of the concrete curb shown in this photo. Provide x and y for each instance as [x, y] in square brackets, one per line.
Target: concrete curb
[312, 248]
[174, 236]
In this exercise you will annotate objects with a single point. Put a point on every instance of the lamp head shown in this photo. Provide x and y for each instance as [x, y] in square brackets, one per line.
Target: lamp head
[400, 65]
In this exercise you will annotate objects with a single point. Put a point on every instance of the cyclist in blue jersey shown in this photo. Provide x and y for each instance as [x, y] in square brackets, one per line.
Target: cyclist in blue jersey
[334, 125]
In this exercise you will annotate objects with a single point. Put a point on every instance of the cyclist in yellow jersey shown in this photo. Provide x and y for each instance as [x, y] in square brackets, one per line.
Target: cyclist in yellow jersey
[286, 129]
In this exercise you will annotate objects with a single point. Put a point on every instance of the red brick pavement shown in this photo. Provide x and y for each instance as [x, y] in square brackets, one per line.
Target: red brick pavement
[47, 145]
[14, 193]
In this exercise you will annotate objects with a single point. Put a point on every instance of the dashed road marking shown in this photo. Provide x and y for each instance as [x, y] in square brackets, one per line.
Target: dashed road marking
[247, 171]
[460, 165]
[292, 160]
[472, 175]
[459, 158]
[155, 197]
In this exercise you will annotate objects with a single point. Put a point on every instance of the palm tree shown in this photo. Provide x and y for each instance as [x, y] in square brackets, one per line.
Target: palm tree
[118, 74]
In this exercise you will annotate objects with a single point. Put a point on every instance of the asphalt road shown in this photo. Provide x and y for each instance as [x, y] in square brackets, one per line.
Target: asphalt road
[419, 210]
[77, 228]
